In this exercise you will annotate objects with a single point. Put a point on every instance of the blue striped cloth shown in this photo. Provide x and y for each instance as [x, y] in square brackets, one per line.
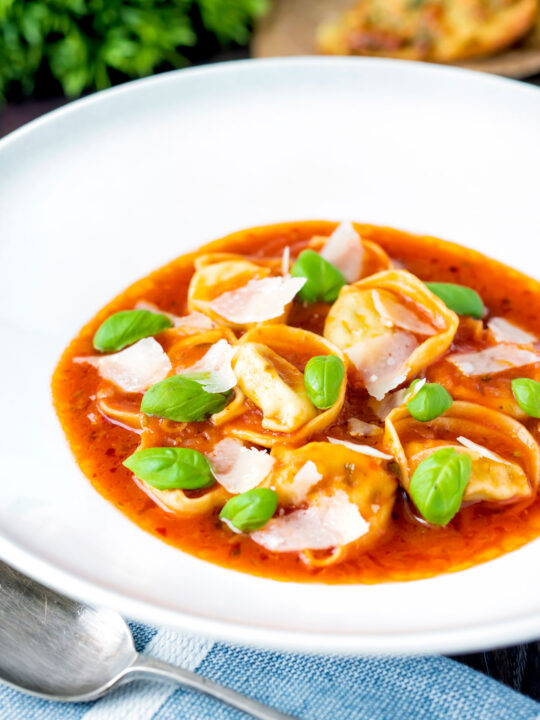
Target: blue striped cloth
[308, 687]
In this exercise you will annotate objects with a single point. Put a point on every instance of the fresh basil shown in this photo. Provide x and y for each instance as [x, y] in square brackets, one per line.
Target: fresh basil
[323, 376]
[527, 394]
[323, 280]
[462, 300]
[429, 402]
[171, 468]
[438, 484]
[183, 400]
[250, 510]
[126, 327]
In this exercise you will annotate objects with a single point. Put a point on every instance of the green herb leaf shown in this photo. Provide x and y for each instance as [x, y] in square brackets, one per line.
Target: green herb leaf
[323, 376]
[429, 402]
[126, 327]
[250, 510]
[438, 484]
[323, 280]
[527, 394]
[87, 44]
[183, 400]
[462, 300]
[171, 468]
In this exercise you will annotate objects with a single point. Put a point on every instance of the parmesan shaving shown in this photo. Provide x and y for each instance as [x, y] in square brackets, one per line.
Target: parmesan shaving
[345, 251]
[505, 331]
[215, 368]
[304, 480]
[494, 359]
[359, 428]
[285, 260]
[194, 319]
[394, 314]
[258, 300]
[481, 450]
[381, 360]
[329, 522]
[134, 369]
[362, 449]
[398, 398]
[238, 468]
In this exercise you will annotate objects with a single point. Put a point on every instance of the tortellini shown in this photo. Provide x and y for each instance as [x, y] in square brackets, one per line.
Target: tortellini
[390, 327]
[342, 497]
[267, 376]
[220, 276]
[505, 457]
[178, 501]
[274, 385]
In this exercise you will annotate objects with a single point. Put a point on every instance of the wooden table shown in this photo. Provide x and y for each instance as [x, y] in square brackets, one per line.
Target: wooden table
[519, 666]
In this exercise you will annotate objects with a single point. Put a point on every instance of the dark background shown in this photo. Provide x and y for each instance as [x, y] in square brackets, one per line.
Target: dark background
[519, 666]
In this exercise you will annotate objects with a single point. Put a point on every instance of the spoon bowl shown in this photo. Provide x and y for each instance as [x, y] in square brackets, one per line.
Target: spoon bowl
[63, 650]
[55, 647]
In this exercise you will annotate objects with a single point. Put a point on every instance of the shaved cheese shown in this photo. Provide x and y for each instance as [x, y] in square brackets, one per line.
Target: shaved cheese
[304, 480]
[238, 468]
[258, 300]
[390, 402]
[494, 359]
[194, 319]
[329, 522]
[381, 360]
[395, 314]
[504, 331]
[362, 449]
[481, 450]
[285, 260]
[345, 251]
[359, 428]
[134, 369]
[397, 398]
[145, 305]
[274, 385]
[416, 389]
[214, 368]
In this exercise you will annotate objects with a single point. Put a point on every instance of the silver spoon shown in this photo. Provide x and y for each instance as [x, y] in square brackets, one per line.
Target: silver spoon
[59, 649]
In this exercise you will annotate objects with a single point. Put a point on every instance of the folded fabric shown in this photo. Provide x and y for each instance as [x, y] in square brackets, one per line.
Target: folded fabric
[309, 687]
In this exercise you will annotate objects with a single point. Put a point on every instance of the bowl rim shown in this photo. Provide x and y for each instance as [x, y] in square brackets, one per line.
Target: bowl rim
[465, 638]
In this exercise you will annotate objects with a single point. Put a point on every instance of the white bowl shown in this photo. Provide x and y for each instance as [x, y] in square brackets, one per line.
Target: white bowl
[98, 193]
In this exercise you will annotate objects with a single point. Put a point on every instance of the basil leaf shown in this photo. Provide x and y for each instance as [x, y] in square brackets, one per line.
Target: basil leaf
[527, 394]
[126, 327]
[462, 300]
[323, 280]
[250, 510]
[323, 376]
[438, 485]
[171, 468]
[183, 400]
[429, 402]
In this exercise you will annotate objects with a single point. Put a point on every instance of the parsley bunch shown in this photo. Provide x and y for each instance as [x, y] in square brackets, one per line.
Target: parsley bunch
[89, 44]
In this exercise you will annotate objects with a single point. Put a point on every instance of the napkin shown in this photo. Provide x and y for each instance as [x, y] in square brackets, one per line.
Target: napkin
[309, 687]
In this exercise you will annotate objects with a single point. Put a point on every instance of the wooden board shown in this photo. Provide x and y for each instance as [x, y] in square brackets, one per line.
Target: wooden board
[289, 29]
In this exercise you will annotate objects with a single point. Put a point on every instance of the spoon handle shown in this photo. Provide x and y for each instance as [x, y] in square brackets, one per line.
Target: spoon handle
[152, 668]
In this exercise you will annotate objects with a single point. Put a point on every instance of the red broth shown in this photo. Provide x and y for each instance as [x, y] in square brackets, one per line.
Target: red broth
[409, 549]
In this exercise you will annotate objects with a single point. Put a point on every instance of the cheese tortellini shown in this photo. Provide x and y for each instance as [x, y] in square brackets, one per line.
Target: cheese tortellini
[390, 326]
[220, 276]
[274, 385]
[268, 378]
[505, 456]
[337, 498]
